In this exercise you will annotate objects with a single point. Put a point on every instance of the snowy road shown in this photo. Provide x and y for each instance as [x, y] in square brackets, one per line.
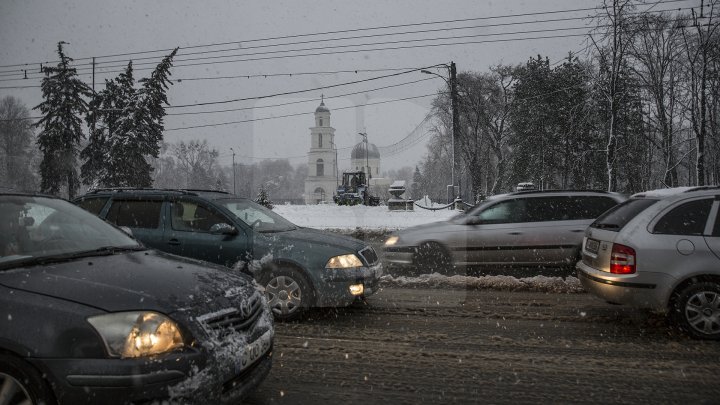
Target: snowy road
[456, 346]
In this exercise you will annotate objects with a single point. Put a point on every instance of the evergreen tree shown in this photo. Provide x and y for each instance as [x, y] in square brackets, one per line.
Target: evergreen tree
[263, 199]
[120, 153]
[61, 123]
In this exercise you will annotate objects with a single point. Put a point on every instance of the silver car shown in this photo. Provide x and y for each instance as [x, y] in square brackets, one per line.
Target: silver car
[527, 228]
[660, 250]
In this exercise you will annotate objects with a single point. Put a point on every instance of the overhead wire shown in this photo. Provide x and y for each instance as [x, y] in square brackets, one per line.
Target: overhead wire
[346, 31]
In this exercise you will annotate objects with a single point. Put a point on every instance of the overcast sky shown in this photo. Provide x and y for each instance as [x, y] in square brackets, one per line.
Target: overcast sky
[30, 30]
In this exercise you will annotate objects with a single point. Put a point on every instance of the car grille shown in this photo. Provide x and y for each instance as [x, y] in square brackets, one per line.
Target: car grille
[233, 319]
[369, 255]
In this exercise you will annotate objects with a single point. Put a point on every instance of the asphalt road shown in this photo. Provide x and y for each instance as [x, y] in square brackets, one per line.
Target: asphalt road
[467, 346]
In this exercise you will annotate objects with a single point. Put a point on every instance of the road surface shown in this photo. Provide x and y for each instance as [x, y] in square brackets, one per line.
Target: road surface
[410, 346]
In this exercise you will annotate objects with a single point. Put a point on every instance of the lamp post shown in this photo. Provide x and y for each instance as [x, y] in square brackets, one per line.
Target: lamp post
[367, 160]
[233, 162]
[452, 84]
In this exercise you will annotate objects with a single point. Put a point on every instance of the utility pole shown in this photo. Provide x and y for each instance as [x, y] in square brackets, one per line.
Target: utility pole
[451, 81]
[233, 163]
[367, 160]
[455, 121]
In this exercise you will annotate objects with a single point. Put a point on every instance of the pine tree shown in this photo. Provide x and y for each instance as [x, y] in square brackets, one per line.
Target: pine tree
[120, 153]
[61, 123]
[416, 191]
[263, 199]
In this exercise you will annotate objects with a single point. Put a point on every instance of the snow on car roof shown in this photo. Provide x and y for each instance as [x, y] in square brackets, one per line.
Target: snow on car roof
[662, 192]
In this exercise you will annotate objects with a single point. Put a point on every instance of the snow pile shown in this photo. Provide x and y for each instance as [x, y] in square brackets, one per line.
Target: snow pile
[331, 216]
[506, 283]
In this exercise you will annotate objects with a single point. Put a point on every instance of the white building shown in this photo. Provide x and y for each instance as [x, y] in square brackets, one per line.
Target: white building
[321, 181]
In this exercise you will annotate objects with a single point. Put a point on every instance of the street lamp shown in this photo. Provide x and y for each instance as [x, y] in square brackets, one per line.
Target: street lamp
[452, 84]
[367, 164]
[233, 161]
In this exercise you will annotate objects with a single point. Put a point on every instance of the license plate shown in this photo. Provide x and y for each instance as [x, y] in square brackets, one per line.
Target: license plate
[253, 351]
[592, 246]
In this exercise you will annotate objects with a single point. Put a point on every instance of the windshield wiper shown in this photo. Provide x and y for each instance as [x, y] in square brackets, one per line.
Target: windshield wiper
[66, 257]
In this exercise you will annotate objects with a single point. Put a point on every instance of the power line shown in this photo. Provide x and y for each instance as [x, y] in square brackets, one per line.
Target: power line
[301, 91]
[358, 50]
[302, 101]
[20, 65]
[294, 115]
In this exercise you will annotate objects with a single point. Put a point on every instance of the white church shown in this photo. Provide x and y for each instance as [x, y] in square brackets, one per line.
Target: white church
[323, 176]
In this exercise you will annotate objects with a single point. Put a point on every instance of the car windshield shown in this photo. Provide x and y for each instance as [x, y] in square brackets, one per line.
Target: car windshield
[44, 228]
[258, 217]
[617, 217]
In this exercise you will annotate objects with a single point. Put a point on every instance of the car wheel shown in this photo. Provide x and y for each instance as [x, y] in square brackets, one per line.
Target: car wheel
[433, 257]
[22, 384]
[697, 310]
[288, 293]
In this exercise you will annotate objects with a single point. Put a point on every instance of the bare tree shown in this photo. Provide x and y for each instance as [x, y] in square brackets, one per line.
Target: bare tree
[699, 48]
[655, 54]
[16, 139]
[612, 41]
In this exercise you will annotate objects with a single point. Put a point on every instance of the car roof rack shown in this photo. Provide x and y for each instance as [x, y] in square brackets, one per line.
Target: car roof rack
[559, 191]
[702, 188]
[185, 191]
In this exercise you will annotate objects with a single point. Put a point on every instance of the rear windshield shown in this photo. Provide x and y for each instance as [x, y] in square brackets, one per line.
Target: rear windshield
[616, 218]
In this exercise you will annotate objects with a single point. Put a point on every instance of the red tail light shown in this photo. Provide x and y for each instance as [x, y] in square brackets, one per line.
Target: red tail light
[622, 259]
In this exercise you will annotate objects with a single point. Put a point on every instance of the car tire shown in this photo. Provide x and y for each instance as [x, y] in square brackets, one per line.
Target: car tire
[288, 293]
[697, 310]
[25, 381]
[433, 257]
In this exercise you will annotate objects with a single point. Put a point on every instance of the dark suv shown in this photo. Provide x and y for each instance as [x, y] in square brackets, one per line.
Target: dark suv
[298, 267]
[526, 228]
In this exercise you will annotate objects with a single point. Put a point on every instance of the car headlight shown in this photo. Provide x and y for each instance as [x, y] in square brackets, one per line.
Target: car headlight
[392, 240]
[343, 262]
[137, 334]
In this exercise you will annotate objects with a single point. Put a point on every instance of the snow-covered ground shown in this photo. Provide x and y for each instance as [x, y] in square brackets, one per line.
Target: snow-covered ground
[504, 283]
[331, 216]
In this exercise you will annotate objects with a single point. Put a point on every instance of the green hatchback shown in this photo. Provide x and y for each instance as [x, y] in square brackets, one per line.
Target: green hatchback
[298, 267]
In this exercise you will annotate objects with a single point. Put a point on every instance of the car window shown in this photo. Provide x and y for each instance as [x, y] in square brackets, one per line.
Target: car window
[504, 212]
[617, 217]
[93, 205]
[589, 207]
[36, 227]
[190, 216]
[716, 228]
[135, 213]
[257, 216]
[541, 209]
[687, 219]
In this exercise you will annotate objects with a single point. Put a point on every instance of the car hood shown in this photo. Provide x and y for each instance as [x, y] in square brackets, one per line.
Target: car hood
[145, 280]
[315, 238]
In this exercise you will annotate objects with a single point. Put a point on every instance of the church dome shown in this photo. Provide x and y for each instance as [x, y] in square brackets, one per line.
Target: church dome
[358, 152]
[322, 108]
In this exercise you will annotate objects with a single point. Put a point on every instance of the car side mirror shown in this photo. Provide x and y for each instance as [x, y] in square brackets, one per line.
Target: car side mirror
[126, 230]
[223, 229]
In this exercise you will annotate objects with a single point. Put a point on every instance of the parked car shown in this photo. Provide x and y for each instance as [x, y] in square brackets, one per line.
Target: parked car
[89, 315]
[298, 267]
[660, 250]
[525, 228]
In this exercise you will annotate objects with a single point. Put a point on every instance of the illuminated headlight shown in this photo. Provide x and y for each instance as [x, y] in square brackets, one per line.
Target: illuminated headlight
[343, 262]
[137, 334]
[391, 240]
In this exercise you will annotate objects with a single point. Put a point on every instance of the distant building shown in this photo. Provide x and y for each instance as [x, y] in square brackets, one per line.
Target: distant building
[321, 181]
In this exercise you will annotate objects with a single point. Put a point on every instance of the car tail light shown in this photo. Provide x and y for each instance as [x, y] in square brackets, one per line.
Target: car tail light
[622, 259]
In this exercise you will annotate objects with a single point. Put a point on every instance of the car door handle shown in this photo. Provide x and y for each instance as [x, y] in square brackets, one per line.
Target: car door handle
[515, 233]
[173, 241]
[577, 230]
